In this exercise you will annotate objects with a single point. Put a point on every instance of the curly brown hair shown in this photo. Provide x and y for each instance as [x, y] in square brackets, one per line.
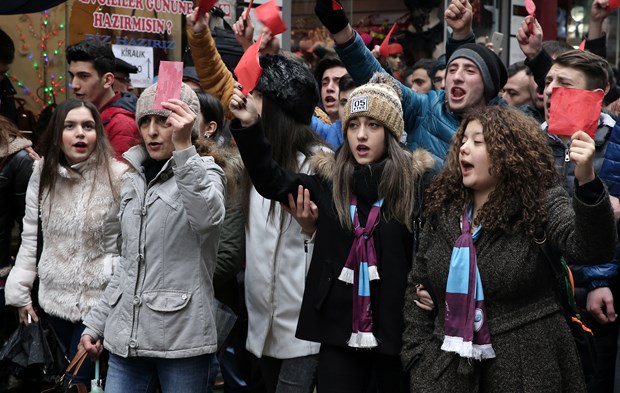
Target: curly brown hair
[520, 159]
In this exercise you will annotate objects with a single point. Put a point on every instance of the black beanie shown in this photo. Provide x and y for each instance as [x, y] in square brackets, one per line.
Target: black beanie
[290, 85]
[492, 70]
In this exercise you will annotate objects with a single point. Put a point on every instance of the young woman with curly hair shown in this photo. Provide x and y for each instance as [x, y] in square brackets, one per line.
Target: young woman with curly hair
[497, 187]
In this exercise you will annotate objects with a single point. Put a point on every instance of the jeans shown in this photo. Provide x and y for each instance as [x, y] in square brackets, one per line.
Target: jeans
[143, 375]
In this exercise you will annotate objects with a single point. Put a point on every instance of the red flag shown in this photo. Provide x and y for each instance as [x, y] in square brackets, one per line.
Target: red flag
[384, 49]
[248, 70]
[247, 13]
[269, 15]
[582, 44]
[169, 82]
[613, 4]
[336, 6]
[205, 6]
[574, 110]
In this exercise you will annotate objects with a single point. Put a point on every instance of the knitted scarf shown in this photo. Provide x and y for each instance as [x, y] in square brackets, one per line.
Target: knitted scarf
[466, 327]
[359, 269]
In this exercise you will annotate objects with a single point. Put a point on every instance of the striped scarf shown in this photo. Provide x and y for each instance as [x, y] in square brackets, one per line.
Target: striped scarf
[359, 269]
[466, 327]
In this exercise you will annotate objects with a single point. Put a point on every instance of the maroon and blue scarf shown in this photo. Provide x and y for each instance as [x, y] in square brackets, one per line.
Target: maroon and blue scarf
[359, 269]
[466, 327]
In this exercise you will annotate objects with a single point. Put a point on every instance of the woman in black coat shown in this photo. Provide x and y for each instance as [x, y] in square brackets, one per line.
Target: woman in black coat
[367, 194]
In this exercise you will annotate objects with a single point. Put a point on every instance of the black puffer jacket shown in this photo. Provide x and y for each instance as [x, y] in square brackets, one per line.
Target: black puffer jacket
[15, 172]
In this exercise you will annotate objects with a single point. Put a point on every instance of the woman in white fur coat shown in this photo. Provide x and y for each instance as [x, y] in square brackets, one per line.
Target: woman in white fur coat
[75, 191]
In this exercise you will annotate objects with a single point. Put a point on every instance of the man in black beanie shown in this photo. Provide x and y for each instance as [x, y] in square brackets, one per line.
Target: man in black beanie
[474, 76]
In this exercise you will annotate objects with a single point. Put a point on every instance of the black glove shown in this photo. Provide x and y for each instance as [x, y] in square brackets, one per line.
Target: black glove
[334, 19]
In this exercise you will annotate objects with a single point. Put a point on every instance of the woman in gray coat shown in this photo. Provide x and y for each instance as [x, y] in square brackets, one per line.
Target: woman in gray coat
[497, 188]
[157, 315]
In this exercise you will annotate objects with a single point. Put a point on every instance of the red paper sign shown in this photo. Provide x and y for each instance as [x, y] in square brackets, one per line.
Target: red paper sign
[336, 6]
[247, 13]
[582, 44]
[169, 82]
[384, 49]
[269, 15]
[613, 4]
[205, 6]
[531, 10]
[574, 110]
[530, 7]
[248, 70]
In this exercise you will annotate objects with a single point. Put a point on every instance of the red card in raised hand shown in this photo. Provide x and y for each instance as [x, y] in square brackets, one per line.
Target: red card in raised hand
[269, 15]
[248, 70]
[613, 4]
[384, 49]
[336, 6]
[574, 110]
[582, 44]
[169, 82]
[205, 6]
[247, 13]
[530, 7]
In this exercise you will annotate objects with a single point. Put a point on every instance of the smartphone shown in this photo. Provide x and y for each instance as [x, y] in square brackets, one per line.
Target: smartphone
[497, 41]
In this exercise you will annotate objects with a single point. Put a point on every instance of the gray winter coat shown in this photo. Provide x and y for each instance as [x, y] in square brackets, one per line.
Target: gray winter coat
[160, 301]
[534, 348]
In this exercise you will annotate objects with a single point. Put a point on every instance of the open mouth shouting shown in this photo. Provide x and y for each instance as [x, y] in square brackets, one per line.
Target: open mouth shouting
[466, 167]
[80, 147]
[457, 94]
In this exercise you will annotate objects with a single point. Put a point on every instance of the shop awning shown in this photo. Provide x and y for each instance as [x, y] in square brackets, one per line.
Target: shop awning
[13, 7]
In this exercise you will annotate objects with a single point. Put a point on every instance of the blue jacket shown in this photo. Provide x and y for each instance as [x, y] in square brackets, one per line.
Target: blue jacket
[331, 133]
[428, 123]
[610, 170]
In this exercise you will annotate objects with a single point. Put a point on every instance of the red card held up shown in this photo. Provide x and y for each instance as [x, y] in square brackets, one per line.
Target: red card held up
[247, 13]
[530, 7]
[336, 6]
[269, 15]
[574, 110]
[531, 10]
[248, 70]
[169, 82]
[582, 45]
[384, 49]
[613, 4]
[205, 6]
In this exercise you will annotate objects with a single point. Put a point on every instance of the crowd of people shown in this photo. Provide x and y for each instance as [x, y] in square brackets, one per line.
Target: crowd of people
[354, 225]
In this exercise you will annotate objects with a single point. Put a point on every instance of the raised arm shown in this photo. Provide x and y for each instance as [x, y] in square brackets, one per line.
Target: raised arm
[269, 179]
[596, 42]
[459, 17]
[212, 71]
[530, 42]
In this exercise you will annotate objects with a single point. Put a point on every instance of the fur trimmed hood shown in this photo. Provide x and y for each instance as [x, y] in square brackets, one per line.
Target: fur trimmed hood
[228, 158]
[323, 163]
[15, 144]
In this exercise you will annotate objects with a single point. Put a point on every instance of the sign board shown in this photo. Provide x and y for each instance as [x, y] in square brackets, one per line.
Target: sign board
[141, 57]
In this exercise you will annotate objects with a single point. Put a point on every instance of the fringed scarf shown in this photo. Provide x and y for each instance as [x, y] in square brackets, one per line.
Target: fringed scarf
[466, 327]
[359, 269]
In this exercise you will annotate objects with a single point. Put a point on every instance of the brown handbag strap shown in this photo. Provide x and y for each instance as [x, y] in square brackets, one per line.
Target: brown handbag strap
[77, 361]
